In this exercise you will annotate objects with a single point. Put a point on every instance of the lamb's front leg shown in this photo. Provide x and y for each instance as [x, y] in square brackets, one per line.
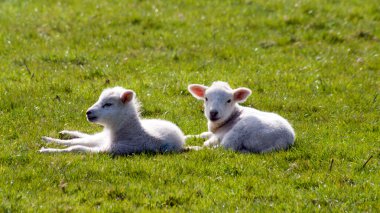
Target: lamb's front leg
[73, 134]
[205, 135]
[77, 148]
[90, 141]
[213, 141]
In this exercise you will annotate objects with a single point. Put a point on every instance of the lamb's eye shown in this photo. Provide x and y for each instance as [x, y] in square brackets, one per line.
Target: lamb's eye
[206, 99]
[107, 105]
[229, 101]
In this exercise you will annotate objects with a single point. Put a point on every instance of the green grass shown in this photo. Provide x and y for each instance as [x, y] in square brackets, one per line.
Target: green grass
[314, 62]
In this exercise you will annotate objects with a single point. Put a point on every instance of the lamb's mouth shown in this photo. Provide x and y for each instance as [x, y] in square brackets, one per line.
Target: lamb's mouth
[214, 119]
[92, 118]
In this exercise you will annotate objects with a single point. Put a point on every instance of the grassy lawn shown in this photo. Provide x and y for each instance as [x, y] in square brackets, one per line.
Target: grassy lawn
[317, 63]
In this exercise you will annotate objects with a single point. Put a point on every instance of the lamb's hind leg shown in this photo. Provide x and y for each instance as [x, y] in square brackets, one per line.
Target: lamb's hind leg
[77, 148]
[87, 141]
[231, 142]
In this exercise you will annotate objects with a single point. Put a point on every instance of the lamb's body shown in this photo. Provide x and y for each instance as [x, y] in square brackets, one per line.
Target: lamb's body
[124, 131]
[241, 128]
[251, 130]
[147, 136]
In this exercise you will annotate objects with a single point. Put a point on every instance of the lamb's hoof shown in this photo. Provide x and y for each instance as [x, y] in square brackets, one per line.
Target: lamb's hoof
[64, 132]
[205, 135]
[211, 144]
[190, 136]
[42, 150]
[195, 148]
[207, 144]
[47, 139]
[191, 148]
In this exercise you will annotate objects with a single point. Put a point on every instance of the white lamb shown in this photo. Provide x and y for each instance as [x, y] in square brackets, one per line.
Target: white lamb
[240, 128]
[124, 132]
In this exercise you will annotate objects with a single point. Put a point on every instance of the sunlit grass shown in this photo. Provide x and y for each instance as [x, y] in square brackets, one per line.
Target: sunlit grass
[314, 62]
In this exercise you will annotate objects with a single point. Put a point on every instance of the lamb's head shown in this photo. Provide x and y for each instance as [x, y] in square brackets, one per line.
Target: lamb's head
[114, 105]
[220, 100]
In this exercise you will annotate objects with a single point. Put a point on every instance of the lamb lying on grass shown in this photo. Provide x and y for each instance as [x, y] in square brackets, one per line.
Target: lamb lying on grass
[240, 128]
[124, 132]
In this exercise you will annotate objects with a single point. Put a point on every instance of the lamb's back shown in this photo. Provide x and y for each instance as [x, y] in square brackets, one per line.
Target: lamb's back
[164, 133]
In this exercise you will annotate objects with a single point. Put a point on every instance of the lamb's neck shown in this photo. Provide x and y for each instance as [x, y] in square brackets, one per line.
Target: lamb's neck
[125, 129]
[234, 117]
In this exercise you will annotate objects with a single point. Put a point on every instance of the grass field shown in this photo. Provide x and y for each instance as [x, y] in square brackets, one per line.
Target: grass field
[314, 62]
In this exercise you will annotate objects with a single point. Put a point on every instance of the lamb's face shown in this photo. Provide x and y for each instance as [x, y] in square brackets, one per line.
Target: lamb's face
[218, 104]
[104, 110]
[220, 101]
[110, 108]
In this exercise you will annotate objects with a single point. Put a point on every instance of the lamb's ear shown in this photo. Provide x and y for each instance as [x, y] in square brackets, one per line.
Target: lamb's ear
[241, 94]
[127, 96]
[197, 90]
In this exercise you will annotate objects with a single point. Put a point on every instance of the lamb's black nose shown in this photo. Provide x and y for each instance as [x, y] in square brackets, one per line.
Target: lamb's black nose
[213, 114]
[89, 112]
